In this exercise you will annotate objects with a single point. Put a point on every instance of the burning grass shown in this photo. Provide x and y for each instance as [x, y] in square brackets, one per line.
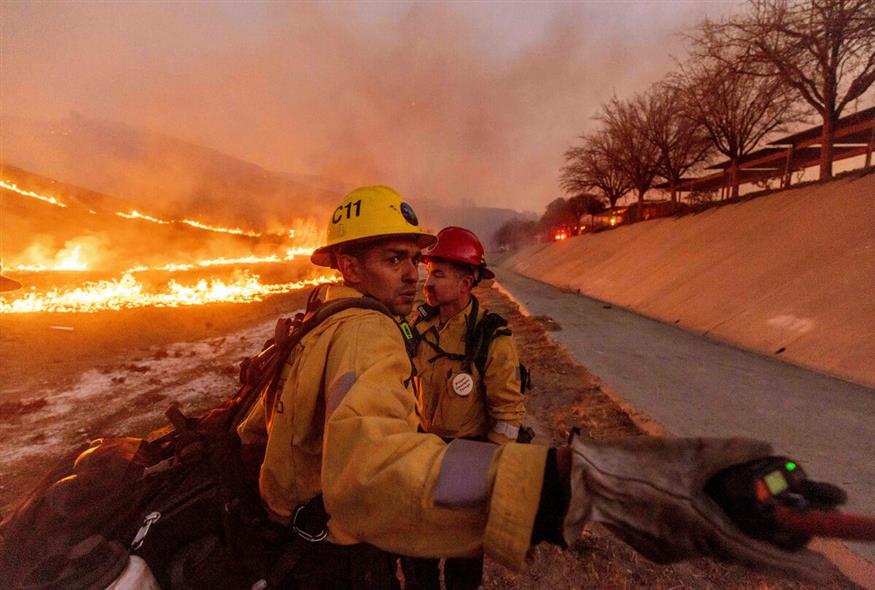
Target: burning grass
[128, 292]
[77, 251]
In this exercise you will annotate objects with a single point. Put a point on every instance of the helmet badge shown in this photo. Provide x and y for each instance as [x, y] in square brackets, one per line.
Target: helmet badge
[408, 214]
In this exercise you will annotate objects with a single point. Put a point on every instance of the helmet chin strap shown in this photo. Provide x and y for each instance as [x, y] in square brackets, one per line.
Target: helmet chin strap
[478, 276]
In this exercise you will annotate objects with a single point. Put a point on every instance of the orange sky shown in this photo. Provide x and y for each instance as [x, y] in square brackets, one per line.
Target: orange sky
[458, 102]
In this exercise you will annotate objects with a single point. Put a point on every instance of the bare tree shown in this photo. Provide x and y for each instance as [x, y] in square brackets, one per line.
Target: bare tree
[588, 167]
[681, 141]
[629, 149]
[823, 49]
[736, 109]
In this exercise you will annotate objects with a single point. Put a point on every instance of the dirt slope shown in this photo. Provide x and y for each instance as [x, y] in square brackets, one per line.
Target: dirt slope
[792, 273]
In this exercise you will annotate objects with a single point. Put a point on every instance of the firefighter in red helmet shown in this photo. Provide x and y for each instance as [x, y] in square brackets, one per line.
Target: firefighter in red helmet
[482, 402]
[469, 380]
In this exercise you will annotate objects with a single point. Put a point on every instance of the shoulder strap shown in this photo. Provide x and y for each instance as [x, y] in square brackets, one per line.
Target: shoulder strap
[329, 308]
[321, 311]
[487, 329]
[478, 336]
[425, 312]
[268, 364]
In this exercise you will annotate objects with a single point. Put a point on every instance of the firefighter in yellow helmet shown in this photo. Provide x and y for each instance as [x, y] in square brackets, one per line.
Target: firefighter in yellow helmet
[469, 380]
[347, 469]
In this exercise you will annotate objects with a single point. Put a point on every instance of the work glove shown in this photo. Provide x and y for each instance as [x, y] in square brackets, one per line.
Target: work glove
[650, 492]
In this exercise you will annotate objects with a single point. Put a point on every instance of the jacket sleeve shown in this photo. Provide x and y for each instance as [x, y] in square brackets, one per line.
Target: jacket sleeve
[504, 399]
[252, 430]
[408, 492]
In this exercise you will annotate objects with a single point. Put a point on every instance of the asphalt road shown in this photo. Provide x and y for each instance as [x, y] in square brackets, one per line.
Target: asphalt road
[698, 387]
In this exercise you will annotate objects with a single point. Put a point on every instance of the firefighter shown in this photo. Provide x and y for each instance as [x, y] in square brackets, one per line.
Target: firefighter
[458, 398]
[468, 374]
[347, 469]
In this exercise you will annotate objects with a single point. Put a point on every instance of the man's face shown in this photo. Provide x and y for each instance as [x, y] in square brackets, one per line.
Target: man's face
[446, 283]
[387, 271]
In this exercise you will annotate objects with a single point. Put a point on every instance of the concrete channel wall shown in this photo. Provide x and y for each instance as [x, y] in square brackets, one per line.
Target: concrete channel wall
[790, 274]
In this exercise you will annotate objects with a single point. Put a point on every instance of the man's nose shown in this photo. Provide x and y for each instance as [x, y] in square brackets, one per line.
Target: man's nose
[411, 272]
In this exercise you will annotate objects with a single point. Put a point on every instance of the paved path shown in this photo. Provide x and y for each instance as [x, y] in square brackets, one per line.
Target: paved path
[695, 386]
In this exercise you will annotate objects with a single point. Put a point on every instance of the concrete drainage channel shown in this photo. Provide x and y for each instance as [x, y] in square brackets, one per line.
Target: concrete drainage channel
[708, 387]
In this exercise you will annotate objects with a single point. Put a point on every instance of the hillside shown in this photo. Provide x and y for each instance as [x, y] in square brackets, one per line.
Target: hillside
[165, 174]
[36, 232]
[789, 274]
[170, 177]
[483, 221]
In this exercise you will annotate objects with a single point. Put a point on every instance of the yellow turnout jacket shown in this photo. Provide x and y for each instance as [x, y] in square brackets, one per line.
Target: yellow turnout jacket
[344, 424]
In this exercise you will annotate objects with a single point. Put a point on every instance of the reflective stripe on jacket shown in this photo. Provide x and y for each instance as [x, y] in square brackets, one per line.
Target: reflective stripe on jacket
[447, 408]
[345, 425]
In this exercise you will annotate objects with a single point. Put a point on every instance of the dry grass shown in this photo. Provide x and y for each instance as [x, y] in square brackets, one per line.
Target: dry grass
[566, 395]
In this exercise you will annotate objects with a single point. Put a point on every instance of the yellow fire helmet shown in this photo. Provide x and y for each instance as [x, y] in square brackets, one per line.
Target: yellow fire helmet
[368, 213]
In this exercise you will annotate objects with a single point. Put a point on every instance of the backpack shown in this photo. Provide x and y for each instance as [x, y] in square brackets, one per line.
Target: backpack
[180, 498]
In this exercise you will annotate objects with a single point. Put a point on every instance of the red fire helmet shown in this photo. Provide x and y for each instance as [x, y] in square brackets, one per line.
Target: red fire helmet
[460, 245]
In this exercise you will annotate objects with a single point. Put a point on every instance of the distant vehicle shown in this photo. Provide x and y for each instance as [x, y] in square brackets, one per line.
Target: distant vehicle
[563, 232]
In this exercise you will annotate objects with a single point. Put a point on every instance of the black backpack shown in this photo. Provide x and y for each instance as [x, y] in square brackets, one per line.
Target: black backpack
[181, 498]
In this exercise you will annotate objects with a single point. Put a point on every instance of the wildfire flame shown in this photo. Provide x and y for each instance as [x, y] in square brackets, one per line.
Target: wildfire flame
[132, 291]
[137, 215]
[226, 230]
[127, 293]
[73, 262]
[14, 188]
[69, 261]
[193, 223]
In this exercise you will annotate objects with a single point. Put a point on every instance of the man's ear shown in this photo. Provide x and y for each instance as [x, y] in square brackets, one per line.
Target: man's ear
[350, 269]
[468, 283]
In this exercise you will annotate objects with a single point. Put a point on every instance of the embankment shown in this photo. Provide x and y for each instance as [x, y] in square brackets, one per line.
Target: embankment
[789, 274]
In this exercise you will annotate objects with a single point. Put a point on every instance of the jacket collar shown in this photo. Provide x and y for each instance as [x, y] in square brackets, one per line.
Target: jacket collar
[458, 321]
[339, 291]
[451, 336]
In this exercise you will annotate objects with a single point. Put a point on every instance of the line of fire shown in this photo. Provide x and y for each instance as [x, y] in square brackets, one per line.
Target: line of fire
[95, 255]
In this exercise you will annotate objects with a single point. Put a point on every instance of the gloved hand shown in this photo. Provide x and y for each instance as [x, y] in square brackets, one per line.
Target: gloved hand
[650, 492]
